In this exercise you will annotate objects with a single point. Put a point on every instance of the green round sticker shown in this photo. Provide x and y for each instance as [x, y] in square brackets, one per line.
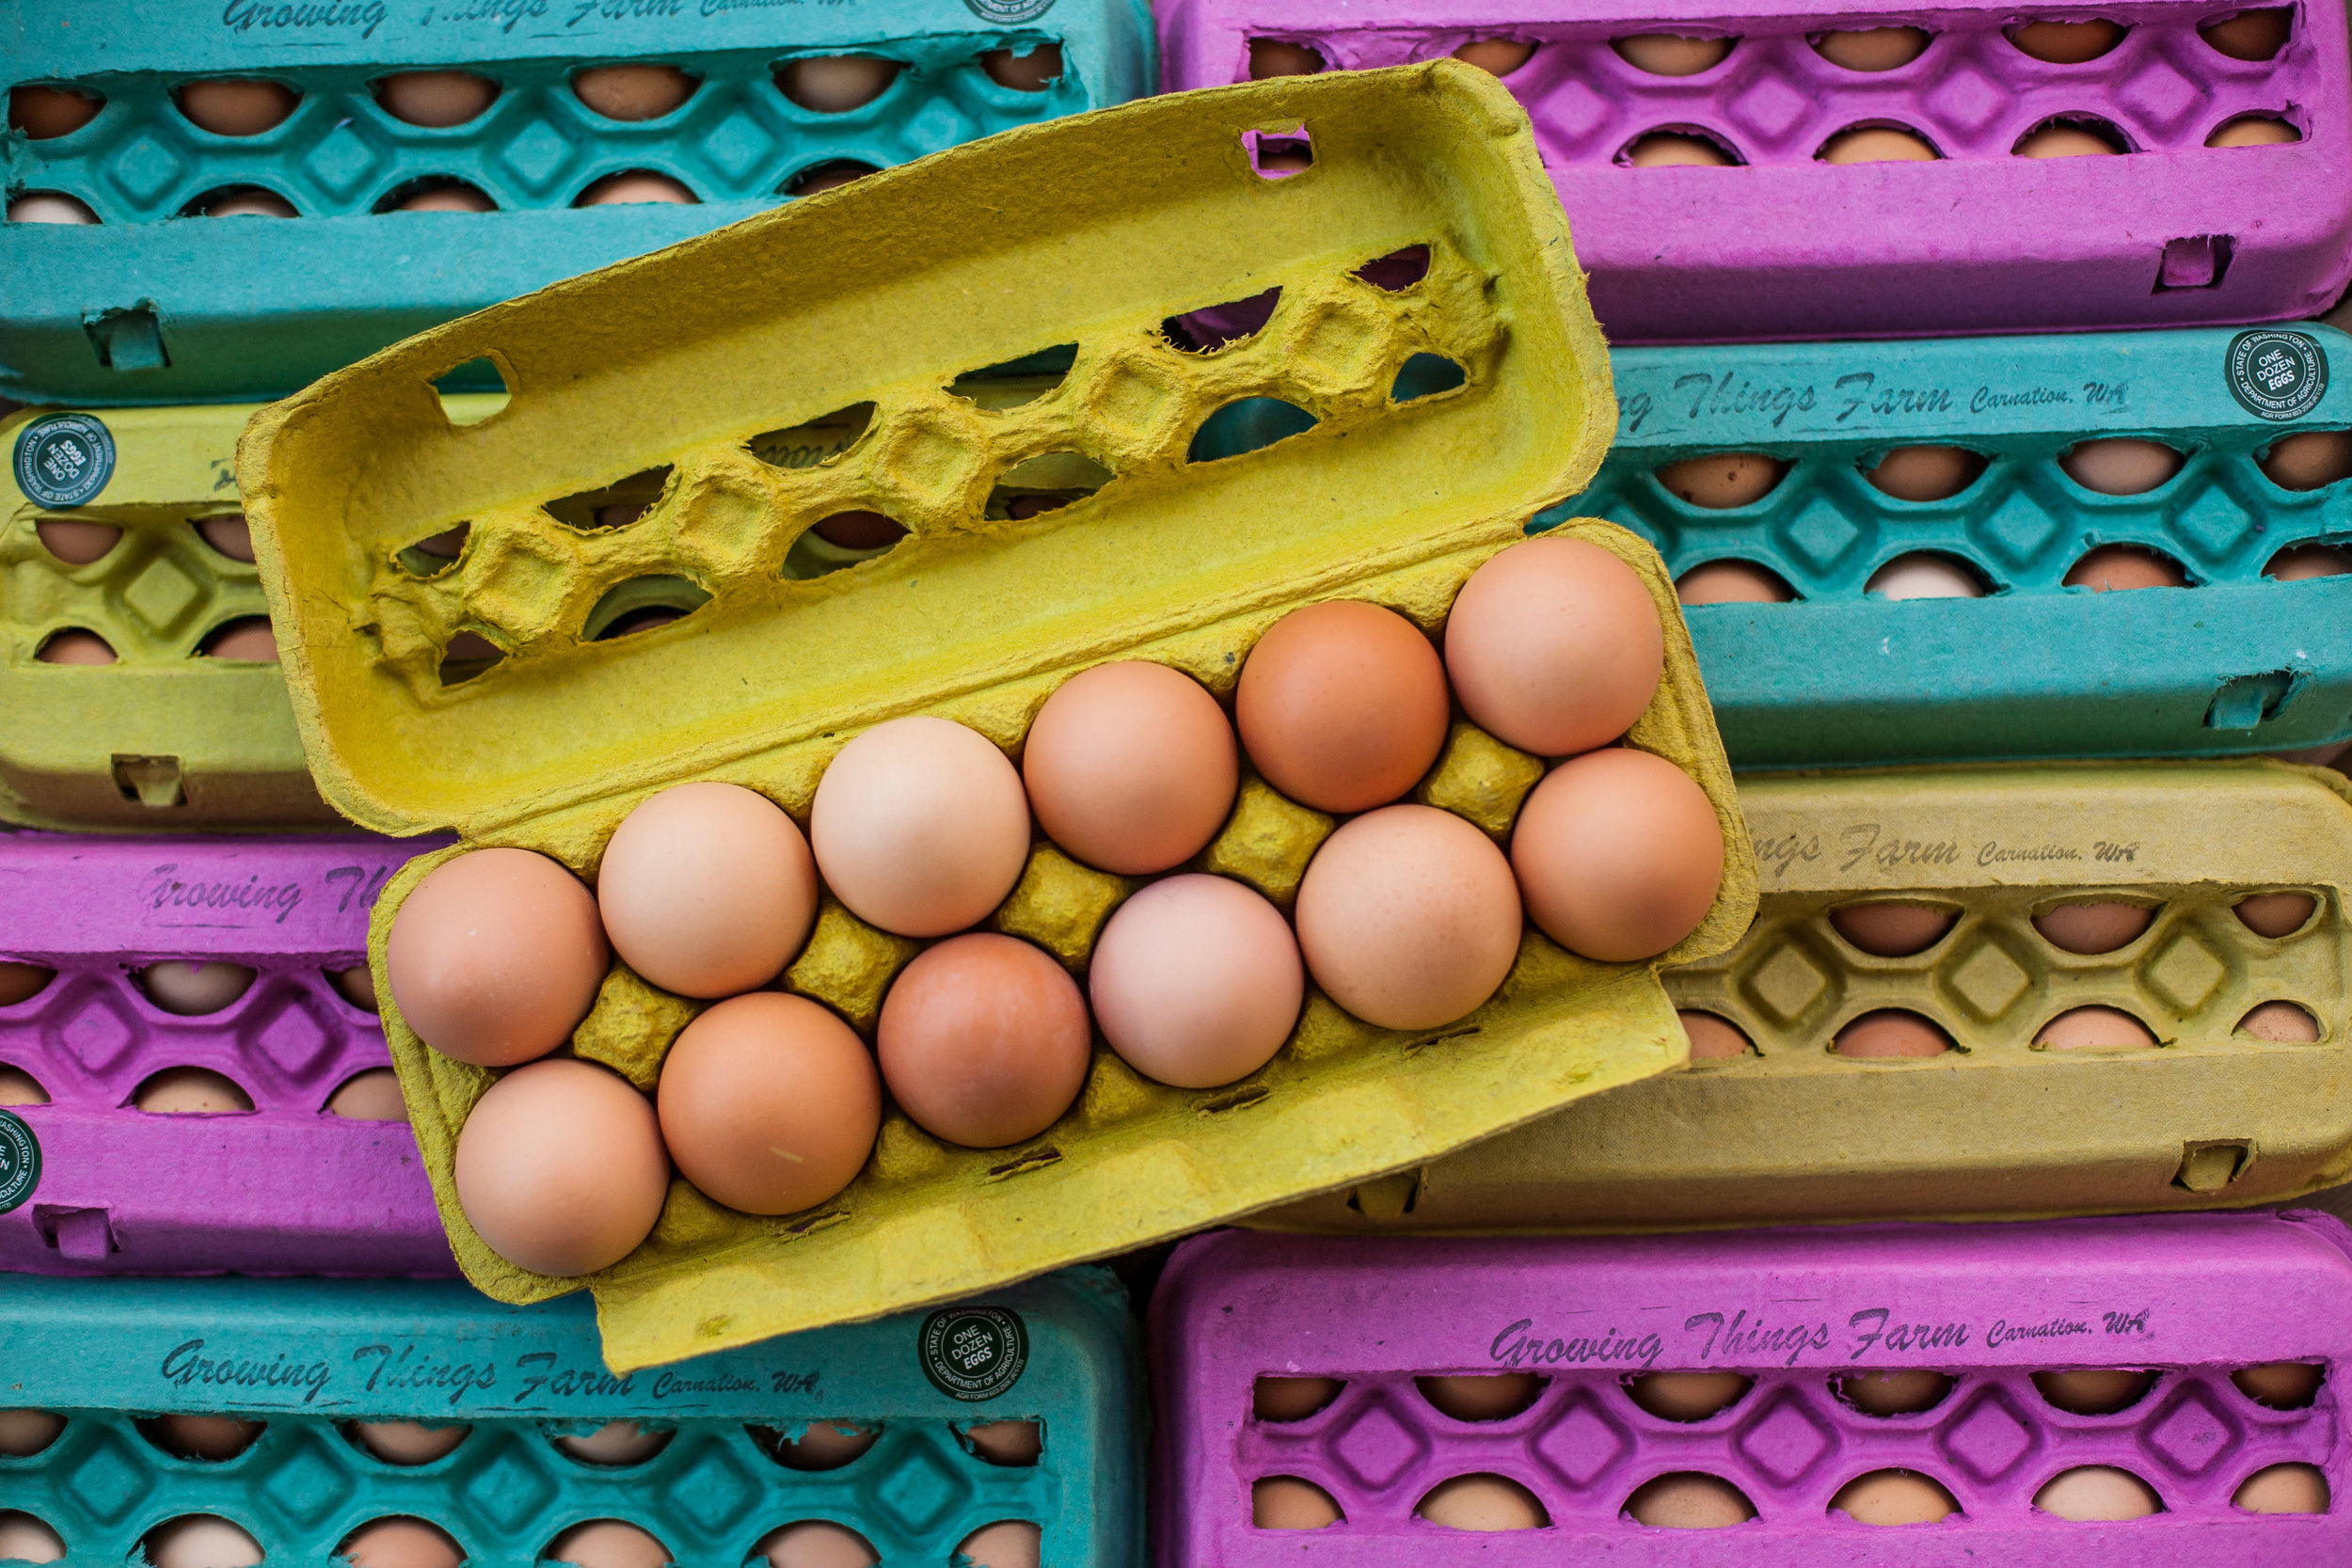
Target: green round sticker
[974, 1352]
[2276, 375]
[19, 1162]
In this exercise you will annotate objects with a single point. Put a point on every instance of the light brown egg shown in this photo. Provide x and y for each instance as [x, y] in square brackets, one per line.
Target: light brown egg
[1906, 1391]
[50, 207]
[407, 1443]
[26, 1432]
[1892, 930]
[2257, 35]
[1873, 48]
[229, 535]
[77, 542]
[615, 1445]
[18, 1088]
[1893, 1497]
[2097, 1492]
[1276, 58]
[1031, 71]
[2066, 42]
[248, 640]
[831, 176]
[437, 98]
[607, 1543]
[496, 956]
[401, 1542]
[636, 186]
[2283, 1489]
[2066, 141]
[835, 84]
[192, 987]
[246, 201]
[1723, 479]
[1878, 144]
[1481, 1397]
[1732, 583]
[190, 1091]
[2113, 568]
[2276, 914]
[920, 826]
[769, 1103]
[2254, 130]
[370, 1096]
[2304, 563]
[1618, 855]
[1285, 1503]
[1196, 981]
[1554, 646]
[1671, 53]
[1409, 917]
[1687, 1396]
[2094, 1390]
[1688, 1500]
[1343, 706]
[200, 1541]
[354, 985]
[208, 1440]
[983, 1041]
[816, 1543]
[1011, 1444]
[1923, 575]
[1499, 57]
[1292, 1399]
[1888, 1033]
[2281, 1022]
[823, 1445]
[446, 195]
[708, 888]
[76, 647]
[2093, 1028]
[633, 91]
[2281, 1384]
[1006, 1544]
[561, 1167]
[1131, 767]
[1674, 150]
[1924, 473]
[26, 1539]
[1482, 1503]
[2095, 927]
[43, 113]
[21, 982]
[1713, 1038]
[236, 107]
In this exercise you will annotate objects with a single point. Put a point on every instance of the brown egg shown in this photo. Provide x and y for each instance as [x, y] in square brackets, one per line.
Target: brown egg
[76, 647]
[236, 107]
[920, 826]
[232, 536]
[18, 1088]
[75, 541]
[1554, 646]
[447, 196]
[835, 84]
[1012, 1444]
[248, 640]
[496, 956]
[1904, 1392]
[2113, 568]
[2304, 563]
[816, 1543]
[1878, 144]
[1196, 981]
[401, 1542]
[2250, 35]
[1687, 1396]
[208, 1439]
[1923, 575]
[2095, 927]
[821, 1446]
[26, 1539]
[2283, 1489]
[832, 176]
[200, 1541]
[437, 98]
[1723, 479]
[1688, 1500]
[769, 1103]
[1874, 48]
[2100, 1492]
[19, 982]
[2305, 461]
[607, 1543]
[1924, 473]
[1892, 930]
[1618, 855]
[26, 1432]
[1499, 57]
[1343, 706]
[2276, 914]
[1888, 1033]
[633, 91]
[43, 113]
[636, 186]
[2094, 1390]
[983, 1041]
[1285, 1503]
[407, 1443]
[354, 985]
[2281, 1384]
[2066, 42]
[561, 1167]
[1672, 150]
[1714, 1038]
[1893, 1497]
[370, 1096]
[1006, 1544]
[1409, 917]
[1131, 767]
[1732, 583]
[2281, 1022]
[192, 987]
[49, 207]
[2066, 141]
[1482, 1503]
[708, 888]
[1671, 53]
[1276, 58]
[1292, 1399]
[246, 201]
[1031, 71]
[1481, 1397]
[190, 1091]
[615, 1445]
[2091, 1028]
[2253, 131]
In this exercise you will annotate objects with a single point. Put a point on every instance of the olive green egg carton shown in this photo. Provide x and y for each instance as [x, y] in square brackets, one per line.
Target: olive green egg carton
[1998, 1128]
[165, 738]
[819, 361]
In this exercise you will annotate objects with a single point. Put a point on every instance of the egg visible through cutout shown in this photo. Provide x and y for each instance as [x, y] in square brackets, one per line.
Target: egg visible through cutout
[1131, 767]
[1006, 1544]
[2099, 926]
[2097, 1491]
[920, 826]
[1676, 149]
[561, 1169]
[236, 105]
[1713, 1038]
[607, 1543]
[633, 92]
[45, 113]
[370, 1096]
[816, 1543]
[208, 1440]
[1892, 1498]
[1292, 1399]
[2094, 1390]
[496, 956]
[1890, 1033]
[1196, 981]
[1343, 706]
[191, 1091]
[1905, 1391]
[1732, 583]
[1689, 1499]
[24, 1537]
[407, 1443]
[200, 1541]
[2290, 1488]
[1618, 855]
[1723, 479]
[27, 1433]
[2094, 1028]
[435, 98]
[637, 186]
[76, 541]
[769, 1104]
[1687, 1396]
[1923, 575]
[2306, 460]
[2279, 1385]
[1878, 144]
[1872, 49]
[706, 889]
[1554, 646]
[835, 84]
[1482, 1503]
[401, 1542]
[615, 1445]
[1889, 929]
[984, 1041]
[1286, 1502]
[1671, 53]
[1480, 1396]
[2115, 568]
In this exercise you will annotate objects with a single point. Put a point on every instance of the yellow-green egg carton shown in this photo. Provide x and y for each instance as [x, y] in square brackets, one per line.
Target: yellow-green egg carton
[163, 739]
[817, 360]
[2000, 1128]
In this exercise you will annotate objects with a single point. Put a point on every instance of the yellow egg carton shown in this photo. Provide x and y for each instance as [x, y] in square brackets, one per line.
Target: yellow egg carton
[2001, 1126]
[839, 338]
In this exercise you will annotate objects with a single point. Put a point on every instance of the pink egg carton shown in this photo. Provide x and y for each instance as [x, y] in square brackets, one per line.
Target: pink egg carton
[1786, 247]
[285, 1188]
[2191, 1296]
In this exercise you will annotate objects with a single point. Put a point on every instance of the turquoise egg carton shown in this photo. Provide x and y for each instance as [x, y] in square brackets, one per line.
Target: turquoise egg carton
[304, 1356]
[151, 307]
[2235, 662]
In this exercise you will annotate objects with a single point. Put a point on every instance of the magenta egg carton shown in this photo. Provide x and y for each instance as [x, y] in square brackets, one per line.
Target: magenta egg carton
[2235, 1329]
[92, 1184]
[1780, 244]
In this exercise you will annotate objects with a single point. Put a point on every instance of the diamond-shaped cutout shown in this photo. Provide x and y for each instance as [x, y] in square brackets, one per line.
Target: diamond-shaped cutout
[162, 594]
[306, 1483]
[145, 169]
[1968, 100]
[511, 1490]
[1768, 109]
[1988, 1438]
[1820, 533]
[1786, 984]
[1376, 1448]
[1788, 1439]
[1986, 982]
[1584, 1445]
[341, 160]
[1573, 109]
[2160, 95]
[2018, 529]
[2213, 522]
[107, 1481]
[536, 155]
[296, 1037]
[713, 1492]
[99, 1031]
[737, 145]
[921, 1490]
[2192, 1434]
[2184, 971]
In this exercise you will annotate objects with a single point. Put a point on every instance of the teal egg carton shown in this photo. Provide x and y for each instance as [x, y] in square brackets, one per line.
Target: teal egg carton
[148, 306]
[307, 1356]
[2235, 662]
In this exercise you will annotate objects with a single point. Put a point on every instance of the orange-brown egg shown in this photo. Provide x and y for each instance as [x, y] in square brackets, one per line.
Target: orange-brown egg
[191, 1091]
[1713, 1038]
[77, 541]
[1688, 1499]
[401, 1542]
[2093, 1028]
[1275, 57]
[1497, 57]
[1554, 646]
[1903, 1391]
[206, 1439]
[1674, 150]
[2114, 568]
[1732, 583]
[2281, 1384]
[835, 84]
[1006, 1544]
[1893, 1499]
[1482, 1503]
[496, 956]
[2290, 1488]
[1890, 1033]
[370, 1096]
[1286, 1502]
[816, 1543]
[230, 534]
[1878, 144]
[434, 97]
[769, 1103]
[708, 888]
[607, 1543]
[2101, 927]
[1292, 1399]
[1131, 767]
[18, 1088]
[447, 196]
[2254, 130]
[1033, 69]
[237, 105]
[1409, 917]
[19, 981]
[1618, 855]
[2067, 42]
[45, 112]
[2255, 34]
[2066, 141]
[633, 91]
[2097, 1491]
[407, 1443]
[1874, 48]
[2094, 1390]
[1924, 473]
[561, 1167]
[920, 826]
[248, 640]
[76, 646]
[637, 186]
[1343, 706]
[984, 1041]
[1196, 981]
[1688, 1396]
[1480, 1396]
[2305, 461]
[1671, 53]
